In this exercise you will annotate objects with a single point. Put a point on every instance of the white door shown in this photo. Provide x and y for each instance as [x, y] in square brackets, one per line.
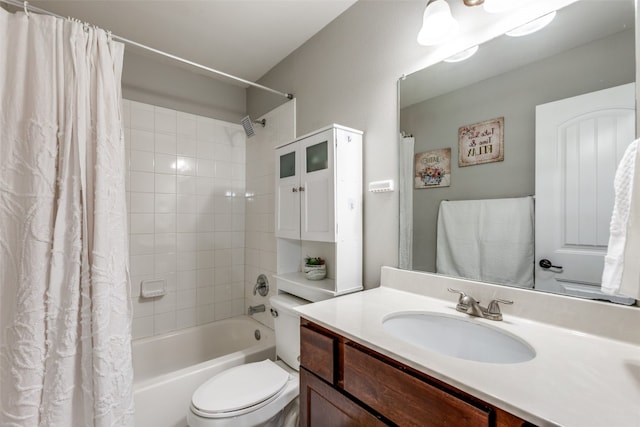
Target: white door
[317, 209]
[579, 142]
[288, 192]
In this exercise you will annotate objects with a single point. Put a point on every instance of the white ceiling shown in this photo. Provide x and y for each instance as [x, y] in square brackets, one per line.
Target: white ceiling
[245, 38]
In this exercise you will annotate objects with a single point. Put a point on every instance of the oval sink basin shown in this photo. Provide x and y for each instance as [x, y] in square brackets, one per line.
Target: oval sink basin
[457, 337]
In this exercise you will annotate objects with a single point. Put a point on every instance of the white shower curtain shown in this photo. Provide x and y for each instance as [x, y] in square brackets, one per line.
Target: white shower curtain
[65, 351]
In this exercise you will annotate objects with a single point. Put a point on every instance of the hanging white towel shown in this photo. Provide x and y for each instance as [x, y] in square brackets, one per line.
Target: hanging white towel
[487, 240]
[612, 275]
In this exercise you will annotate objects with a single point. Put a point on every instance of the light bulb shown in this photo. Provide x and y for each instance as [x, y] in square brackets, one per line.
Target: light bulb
[438, 24]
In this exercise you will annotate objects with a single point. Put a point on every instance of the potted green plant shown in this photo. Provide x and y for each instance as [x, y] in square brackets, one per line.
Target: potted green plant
[315, 268]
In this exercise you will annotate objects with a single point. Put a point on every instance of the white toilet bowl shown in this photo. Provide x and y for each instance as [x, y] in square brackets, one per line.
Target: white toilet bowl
[256, 394]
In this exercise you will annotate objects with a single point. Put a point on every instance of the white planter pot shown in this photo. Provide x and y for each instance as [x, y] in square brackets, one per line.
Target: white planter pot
[315, 272]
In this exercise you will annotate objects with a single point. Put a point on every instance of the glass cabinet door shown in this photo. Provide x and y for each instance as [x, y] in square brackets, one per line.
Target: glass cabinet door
[317, 157]
[288, 165]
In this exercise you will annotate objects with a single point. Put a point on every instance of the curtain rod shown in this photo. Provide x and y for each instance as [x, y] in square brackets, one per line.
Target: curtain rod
[28, 7]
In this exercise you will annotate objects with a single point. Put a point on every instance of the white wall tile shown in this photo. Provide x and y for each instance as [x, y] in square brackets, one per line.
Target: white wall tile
[142, 140]
[165, 120]
[186, 261]
[141, 161]
[142, 244]
[205, 150]
[141, 203]
[187, 125]
[186, 184]
[205, 278]
[186, 146]
[187, 203]
[204, 314]
[178, 170]
[165, 143]
[164, 322]
[205, 168]
[223, 153]
[165, 243]
[205, 129]
[186, 318]
[141, 223]
[223, 170]
[187, 166]
[142, 116]
[222, 310]
[165, 223]
[142, 327]
[165, 203]
[186, 299]
[187, 242]
[165, 163]
[141, 265]
[187, 280]
[142, 182]
[165, 303]
[165, 183]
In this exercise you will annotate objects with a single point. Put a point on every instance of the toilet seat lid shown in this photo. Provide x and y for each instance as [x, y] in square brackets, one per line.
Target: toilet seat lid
[240, 387]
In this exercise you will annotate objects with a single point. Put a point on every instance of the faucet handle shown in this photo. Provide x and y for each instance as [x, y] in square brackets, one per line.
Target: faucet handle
[455, 291]
[494, 309]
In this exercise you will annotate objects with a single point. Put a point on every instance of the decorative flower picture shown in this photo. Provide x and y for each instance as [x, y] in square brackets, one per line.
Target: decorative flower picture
[433, 168]
[481, 142]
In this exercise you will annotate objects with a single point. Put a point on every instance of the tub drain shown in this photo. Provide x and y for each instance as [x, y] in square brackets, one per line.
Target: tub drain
[257, 334]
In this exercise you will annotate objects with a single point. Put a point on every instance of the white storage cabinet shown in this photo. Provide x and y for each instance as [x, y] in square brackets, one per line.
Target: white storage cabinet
[318, 211]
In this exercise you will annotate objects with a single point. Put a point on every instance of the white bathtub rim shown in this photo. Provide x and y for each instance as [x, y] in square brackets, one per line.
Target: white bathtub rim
[242, 317]
[143, 385]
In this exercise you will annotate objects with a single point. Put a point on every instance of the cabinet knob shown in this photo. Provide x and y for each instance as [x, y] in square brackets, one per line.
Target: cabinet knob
[301, 188]
[294, 189]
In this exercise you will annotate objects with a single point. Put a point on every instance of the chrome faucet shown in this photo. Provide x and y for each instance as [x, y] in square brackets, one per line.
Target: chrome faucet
[256, 309]
[467, 304]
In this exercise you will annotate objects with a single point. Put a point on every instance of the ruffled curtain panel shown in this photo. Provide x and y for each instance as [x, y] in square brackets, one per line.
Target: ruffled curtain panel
[65, 313]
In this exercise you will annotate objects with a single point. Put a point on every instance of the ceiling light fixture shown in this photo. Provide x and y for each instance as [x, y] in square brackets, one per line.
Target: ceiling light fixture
[473, 2]
[533, 26]
[461, 56]
[438, 24]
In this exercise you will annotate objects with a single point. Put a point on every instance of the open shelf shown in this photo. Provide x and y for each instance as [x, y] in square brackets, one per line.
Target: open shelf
[312, 290]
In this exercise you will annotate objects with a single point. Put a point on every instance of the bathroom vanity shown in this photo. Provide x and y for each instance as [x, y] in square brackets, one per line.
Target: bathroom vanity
[343, 382]
[354, 372]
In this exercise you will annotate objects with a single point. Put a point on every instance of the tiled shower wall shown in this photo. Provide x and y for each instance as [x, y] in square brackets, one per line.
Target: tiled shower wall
[261, 254]
[186, 201]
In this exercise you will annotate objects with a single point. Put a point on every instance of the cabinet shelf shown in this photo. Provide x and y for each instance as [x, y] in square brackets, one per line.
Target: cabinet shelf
[312, 290]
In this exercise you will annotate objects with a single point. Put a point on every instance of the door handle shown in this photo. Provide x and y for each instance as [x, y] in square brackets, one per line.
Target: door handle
[547, 265]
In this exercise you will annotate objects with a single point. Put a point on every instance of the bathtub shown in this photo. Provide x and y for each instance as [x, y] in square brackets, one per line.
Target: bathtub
[168, 368]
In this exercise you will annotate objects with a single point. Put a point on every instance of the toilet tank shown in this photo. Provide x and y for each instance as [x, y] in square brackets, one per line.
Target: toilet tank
[287, 328]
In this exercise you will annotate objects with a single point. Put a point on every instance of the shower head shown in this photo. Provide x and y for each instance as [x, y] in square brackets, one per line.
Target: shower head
[247, 124]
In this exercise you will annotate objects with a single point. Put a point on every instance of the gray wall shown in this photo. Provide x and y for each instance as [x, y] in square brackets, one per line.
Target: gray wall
[158, 81]
[514, 95]
[347, 74]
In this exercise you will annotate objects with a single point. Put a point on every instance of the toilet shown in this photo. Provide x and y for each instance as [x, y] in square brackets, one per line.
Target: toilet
[260, 393]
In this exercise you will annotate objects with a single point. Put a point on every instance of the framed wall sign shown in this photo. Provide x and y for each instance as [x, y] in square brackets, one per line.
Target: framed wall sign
[433, 168]
[481, 142]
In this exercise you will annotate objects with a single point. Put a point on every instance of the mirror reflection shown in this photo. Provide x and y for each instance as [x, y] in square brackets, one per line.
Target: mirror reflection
[510, 177]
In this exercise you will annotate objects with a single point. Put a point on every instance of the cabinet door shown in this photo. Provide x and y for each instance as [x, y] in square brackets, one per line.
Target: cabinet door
[321, 405]
[317, 217]
[288, 192]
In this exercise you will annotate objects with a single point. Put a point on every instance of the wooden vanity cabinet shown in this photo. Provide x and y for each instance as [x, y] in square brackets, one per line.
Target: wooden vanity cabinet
[343, 383]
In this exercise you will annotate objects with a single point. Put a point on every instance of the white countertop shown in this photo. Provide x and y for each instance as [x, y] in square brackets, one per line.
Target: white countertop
[576, 378]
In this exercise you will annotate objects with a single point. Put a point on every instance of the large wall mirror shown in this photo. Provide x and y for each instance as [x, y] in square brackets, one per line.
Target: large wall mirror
[510, 155]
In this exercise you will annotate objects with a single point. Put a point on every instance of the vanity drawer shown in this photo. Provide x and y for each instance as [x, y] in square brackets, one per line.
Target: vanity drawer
[382, 386]
[318, 353]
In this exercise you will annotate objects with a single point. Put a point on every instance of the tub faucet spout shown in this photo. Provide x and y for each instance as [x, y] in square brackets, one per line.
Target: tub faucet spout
[256, 309]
